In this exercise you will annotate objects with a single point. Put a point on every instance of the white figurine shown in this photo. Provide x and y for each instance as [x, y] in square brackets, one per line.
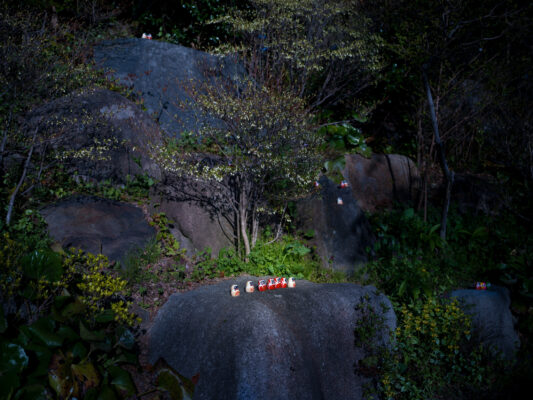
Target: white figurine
[235, 291]
[339, 201]
[292, 282]
[249, 287]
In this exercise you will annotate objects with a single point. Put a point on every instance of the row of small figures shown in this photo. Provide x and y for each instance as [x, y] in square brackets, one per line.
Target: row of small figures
[342, 185]
[146, 36]
[263, 285]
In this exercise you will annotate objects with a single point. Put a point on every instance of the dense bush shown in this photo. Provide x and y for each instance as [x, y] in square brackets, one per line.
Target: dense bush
[67, 327]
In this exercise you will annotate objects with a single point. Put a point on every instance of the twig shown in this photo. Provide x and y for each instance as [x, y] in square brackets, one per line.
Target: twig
[21, 180]
[4, 141]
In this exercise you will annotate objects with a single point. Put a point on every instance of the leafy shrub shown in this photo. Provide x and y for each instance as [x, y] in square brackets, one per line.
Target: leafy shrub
[74, 335]
[136, 261]
[285, 257]
[431, 354]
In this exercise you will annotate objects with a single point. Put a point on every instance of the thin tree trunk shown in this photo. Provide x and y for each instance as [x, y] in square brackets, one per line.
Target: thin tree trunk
[255, 227]
[4, 141]
[21, 180]
[243, 217]
[442, 157]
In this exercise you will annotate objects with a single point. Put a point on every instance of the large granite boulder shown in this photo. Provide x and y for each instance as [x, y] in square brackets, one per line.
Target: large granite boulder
[100, 134]
[341, 231]
[381, 180]
[98, 225]
[161, 72]
[195, 224]
[492, 321]
[282, 344]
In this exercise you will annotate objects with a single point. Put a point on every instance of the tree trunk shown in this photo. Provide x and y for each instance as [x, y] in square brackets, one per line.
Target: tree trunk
[243, 204]
[21, 180]
[255, 226]
[442, 157]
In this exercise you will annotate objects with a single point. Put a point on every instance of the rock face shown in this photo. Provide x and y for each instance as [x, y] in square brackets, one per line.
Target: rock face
[116, 129]
[194, 227]
[381, 180]
[282, 344]
[342, 232]
[160, 72]
[492, 320]
[98, 225]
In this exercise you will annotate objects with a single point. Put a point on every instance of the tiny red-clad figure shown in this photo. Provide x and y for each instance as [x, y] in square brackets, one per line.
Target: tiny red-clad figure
[235, 291]
[261, 285]
[271, 285]
[249, 287]
[344, 184]
[291, 283]
[283, 282]
[278, 282]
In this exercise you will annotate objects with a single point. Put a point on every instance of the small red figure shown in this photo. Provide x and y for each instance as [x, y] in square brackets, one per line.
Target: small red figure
[271, 285]
[344, 184]
[278, 282]
[284, 282]
[261, 285]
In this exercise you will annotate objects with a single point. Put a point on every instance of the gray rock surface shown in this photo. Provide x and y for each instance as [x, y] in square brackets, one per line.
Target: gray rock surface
[492, 321]
[195, 227]
[342, 232]
[282, 344]
[381, 180]
[160, 72]
[98, 225]
[99, 118]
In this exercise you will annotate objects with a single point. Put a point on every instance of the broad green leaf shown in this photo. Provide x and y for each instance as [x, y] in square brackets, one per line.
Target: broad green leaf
[66, 332]
[122, 380]
[61, 300]
[32, 392]
[107, 393]
[92, 336]
[44, 330]
[86, 375]
[173, 382]
[72, 309]
[60, 376]
[79, 350]
[43, 354]
[353, 140]
[13, 358]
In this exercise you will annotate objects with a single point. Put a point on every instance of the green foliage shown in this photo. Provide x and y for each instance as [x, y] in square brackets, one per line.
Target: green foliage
[169, 245]
[264, 153]
[135, 267]
[284, 257]
[76, 337]
[185, 23]
[345, 138]
[431, 354]
[304, 43]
